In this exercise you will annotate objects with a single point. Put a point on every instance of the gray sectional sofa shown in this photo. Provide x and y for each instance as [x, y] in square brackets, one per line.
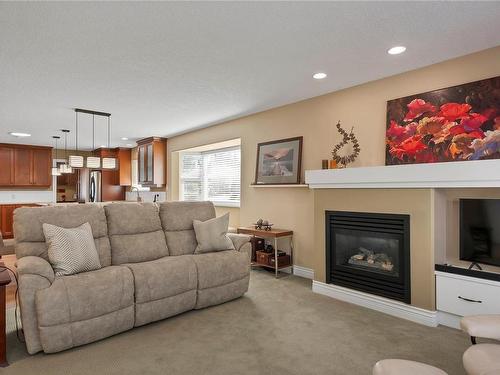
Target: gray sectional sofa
[149, 271]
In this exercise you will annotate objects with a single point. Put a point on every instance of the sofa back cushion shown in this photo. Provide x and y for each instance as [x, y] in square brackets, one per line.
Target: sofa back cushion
[28, 230]
[135, 233]
[177, 222]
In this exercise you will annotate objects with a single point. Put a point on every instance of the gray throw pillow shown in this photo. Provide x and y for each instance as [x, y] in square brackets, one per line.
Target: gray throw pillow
[71, 250]
[212, 235]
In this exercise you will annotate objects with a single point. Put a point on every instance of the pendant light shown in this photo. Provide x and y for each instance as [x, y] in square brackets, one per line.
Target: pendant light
[93, 162]
[76, 161]
[65, 167]
[109, 163]
[55, 170]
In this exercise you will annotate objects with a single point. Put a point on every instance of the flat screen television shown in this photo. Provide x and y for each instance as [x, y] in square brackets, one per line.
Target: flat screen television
[480, 231]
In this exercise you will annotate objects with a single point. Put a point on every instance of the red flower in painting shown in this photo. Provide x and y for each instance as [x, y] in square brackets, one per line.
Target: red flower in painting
[409, 147]
[418, 107]
[474, 121]
[395, 130]
[454, 111]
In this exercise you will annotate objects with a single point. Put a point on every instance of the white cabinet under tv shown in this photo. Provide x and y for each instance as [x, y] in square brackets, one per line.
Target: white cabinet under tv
[458, 295]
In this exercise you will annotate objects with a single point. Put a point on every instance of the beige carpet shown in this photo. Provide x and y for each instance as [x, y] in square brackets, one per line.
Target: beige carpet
[278, 327]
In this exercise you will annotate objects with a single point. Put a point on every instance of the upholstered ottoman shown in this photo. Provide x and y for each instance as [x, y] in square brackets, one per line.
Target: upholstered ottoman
[482, 359]
[404, 367]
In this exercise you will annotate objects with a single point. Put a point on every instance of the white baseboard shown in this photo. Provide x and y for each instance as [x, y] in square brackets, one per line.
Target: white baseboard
[449, 320]
[307, 273]
[385, 305]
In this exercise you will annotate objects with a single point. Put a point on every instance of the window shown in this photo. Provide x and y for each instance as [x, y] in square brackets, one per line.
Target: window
[211, 175]
[135, 176]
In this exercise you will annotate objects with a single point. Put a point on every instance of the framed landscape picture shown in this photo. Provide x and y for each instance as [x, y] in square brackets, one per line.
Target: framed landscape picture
[458, 123]
[279, 162]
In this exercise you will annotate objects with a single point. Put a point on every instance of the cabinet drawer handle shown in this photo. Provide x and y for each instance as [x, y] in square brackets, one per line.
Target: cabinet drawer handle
[469, 300]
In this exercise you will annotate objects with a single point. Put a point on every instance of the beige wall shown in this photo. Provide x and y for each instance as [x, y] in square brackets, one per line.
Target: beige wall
[363, 107]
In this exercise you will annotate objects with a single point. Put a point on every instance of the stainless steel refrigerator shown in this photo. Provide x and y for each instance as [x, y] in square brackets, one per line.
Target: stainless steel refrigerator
[95, 186]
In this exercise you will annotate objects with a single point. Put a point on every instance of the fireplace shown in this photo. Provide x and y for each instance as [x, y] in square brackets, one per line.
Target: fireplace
[369, 252]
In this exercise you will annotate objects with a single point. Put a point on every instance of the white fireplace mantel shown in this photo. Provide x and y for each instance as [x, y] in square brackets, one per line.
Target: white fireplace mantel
[467, 174]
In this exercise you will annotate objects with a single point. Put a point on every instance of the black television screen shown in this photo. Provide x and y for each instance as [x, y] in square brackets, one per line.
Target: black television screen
[480, 231]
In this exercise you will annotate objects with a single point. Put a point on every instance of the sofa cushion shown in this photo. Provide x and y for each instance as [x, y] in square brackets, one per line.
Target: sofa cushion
[71, 250]
[220, 268]
[135, 233]
[30, 240]
[211, 235]
[163, 277]
[177, 222]
[85, 296]
[163, 288]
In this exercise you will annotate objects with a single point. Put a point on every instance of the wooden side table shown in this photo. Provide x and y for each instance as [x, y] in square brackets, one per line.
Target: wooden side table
[4, 281]
[273, 234]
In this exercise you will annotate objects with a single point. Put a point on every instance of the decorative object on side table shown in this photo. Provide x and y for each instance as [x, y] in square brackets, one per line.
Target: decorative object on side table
[279, 162]
[347, 138]
[453, 124]
[263, 224]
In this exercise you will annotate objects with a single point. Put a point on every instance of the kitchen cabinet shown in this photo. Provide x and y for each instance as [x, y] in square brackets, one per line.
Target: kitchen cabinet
[7, 163]
[25, 166]
[124, 156]
[152, 161]
[7, 218]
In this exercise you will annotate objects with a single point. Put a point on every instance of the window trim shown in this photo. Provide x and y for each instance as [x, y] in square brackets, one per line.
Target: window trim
[207, 152]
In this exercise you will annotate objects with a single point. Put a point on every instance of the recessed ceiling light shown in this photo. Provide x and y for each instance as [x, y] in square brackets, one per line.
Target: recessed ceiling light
[16, 134]
[319, 75]
[396, 50]
[103, 146]
[124, 139]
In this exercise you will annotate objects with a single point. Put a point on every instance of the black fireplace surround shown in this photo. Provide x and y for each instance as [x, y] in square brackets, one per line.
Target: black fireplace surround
[369, 252]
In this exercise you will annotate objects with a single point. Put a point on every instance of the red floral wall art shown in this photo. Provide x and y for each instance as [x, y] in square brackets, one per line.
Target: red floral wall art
[454, 124]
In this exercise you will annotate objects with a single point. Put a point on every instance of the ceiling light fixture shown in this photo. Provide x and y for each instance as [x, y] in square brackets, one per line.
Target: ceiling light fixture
[93, 162]
[21, 135]
[65, 167]
[109, 163]
[396, 50]
[76, 161]
[124, 138]
[55, 170]
[319, 75]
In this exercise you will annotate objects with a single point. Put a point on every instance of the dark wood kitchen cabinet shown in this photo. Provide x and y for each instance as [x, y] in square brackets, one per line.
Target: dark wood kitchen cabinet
[7, 218]
[152, 161]
[25, 166]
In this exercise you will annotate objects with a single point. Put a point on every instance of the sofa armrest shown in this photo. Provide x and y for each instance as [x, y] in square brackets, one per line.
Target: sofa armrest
[34, 274]
[239, 240]
[486, 326]
[31, 265]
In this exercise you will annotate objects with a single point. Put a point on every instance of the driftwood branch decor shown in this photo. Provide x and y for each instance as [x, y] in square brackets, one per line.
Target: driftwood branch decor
[347, 138]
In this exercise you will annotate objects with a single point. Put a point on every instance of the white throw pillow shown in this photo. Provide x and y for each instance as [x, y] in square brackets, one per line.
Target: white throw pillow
[71, 250]
[212, 235]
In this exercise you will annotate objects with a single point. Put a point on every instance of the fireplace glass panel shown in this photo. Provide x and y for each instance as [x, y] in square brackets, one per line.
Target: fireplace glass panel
[367, 252]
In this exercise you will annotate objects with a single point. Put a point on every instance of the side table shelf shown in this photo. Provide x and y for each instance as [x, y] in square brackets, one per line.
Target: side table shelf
[273, 234]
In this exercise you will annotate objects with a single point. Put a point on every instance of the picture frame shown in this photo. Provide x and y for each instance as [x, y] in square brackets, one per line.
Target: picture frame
[457, 123]
[279, 162]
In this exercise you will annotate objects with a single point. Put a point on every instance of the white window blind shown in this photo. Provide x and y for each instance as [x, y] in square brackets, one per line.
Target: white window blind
[211, 175]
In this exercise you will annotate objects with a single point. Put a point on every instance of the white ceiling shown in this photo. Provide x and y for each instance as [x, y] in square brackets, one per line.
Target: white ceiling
[165, 68]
